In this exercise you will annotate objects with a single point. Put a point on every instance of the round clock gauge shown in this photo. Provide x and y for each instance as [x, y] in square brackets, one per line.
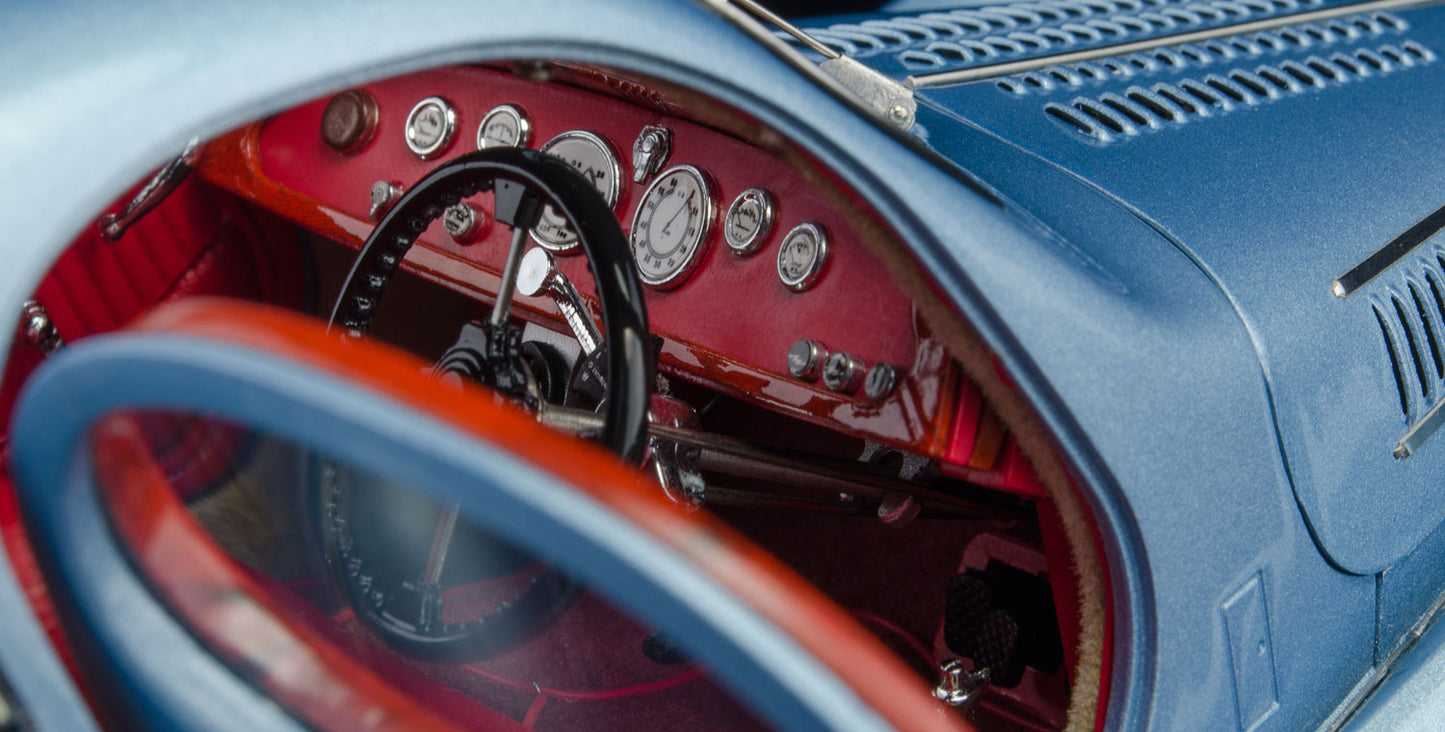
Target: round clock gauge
[505, 126]
[748, 222]
[430, 126]
[593, 157]
[669, 232]
[802, 256]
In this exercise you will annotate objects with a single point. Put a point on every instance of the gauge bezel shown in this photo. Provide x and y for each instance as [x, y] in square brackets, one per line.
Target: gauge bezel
[524, 125]
[612, 195]
[709, 214]
[449, 130]
[815, 269]
[753, 244]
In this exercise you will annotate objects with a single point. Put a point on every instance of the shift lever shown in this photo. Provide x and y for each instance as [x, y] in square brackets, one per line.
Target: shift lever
[537, 275]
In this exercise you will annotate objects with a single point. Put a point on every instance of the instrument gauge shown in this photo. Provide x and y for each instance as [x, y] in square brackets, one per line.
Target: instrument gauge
[506, 125]
[430, 126]
[593, 157]
[749, 220]
[802, 256]
[670, 229]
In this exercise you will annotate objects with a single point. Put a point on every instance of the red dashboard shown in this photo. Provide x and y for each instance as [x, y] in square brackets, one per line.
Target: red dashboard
[728, 324]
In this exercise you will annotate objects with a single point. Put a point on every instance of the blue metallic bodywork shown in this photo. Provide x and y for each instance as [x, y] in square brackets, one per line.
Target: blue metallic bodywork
[1161, 297]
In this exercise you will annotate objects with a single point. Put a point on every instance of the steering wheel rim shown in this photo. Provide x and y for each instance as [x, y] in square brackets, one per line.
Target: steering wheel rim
[627, 389]
[630, 366]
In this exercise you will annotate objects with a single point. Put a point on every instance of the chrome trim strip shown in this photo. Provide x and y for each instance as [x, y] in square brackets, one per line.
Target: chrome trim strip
[1379, 673]
[1389, 254]
[1008, 68]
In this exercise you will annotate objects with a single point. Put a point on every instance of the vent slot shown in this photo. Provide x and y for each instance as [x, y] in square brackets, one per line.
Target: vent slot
[1431, 337]
[1394, 362]
[1082, 123]
[1044, 24]
[1412, 342]
[1193, 99]
[1257, 45]
[1411, 316]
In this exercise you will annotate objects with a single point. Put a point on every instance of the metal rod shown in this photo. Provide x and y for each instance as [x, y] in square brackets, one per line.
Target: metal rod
[502, 309]
[1008, 68]
[773, 19]
[1397, 248]
[722, 454]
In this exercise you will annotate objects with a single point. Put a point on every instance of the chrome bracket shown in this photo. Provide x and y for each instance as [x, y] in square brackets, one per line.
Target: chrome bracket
[676, 465]
[650, 152]
[1420, 432]
[891, 99]
[162, 184]
[885, 96]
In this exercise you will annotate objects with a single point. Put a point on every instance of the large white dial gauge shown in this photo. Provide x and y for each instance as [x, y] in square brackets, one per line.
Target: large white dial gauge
[594, 159]
[670, 229]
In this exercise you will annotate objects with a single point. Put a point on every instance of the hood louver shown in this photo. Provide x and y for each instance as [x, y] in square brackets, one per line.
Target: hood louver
[1411, 317]
[942, 41]
[1111, 117]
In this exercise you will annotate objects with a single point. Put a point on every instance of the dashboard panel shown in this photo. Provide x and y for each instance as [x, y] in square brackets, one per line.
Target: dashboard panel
[728, 318]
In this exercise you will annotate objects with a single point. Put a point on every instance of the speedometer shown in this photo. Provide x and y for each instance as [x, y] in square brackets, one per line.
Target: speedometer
[669, 231]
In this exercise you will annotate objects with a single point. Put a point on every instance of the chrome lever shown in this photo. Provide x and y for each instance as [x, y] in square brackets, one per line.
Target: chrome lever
[537, 275]
[113, 226]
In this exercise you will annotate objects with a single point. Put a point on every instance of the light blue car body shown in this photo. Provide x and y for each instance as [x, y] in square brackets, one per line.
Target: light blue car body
[1160, 293]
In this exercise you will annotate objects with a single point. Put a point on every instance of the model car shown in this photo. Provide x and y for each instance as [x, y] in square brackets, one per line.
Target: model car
[670, 364]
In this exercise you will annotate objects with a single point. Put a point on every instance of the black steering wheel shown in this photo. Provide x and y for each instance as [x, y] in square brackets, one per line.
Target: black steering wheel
[395, 586]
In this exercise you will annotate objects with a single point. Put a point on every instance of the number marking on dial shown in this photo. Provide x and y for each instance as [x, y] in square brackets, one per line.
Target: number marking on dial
[670, 229]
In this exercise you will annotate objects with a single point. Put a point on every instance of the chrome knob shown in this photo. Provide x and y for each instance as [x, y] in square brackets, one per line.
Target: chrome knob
[384, 193]
[843, 373]
[805, 359]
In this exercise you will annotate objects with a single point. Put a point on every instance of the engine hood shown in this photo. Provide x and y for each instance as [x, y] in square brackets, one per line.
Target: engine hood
[1277, 161]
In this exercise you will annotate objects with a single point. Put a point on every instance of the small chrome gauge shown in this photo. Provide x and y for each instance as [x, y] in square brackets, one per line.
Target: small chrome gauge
[669, 232]
[594, 157]
[430, 126]
[802, 256]
[505, 126]
[749, 221]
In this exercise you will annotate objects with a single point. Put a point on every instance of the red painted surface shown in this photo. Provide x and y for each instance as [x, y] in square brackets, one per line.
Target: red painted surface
[879, 678]
[731, 305]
